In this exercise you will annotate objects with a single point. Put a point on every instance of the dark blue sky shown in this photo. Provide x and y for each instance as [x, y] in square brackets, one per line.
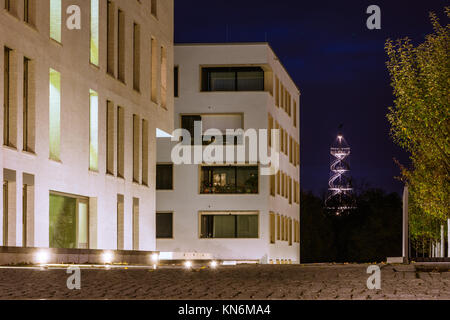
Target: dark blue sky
[338, 64]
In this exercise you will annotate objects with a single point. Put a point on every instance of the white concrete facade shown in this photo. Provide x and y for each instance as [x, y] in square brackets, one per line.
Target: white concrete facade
[71, 174]
[186, 202]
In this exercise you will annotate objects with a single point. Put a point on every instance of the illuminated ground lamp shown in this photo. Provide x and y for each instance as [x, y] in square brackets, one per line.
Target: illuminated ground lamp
[42, 257]
[213, 264]
[188, 264]
[107, 258]
[155, 260]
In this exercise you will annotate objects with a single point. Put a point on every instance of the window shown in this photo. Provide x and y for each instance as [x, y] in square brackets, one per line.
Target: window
[291, 151]
[154, 7]
[29, 10]
[164, 225]
[233, 79]
[55, 20]
[93, 131]
[269, 130]
[121, 46]
[290, 231]
[290, 190]
[295, 113]
[163, 77]
[136, 147]
[28, 106]
[28, 210]
[164, 177]
[110, 38]
[95, 20]
[229, 180]
[120, 222]
[272, 227]
[283, 228]
[69, 222]
[136, 56]
[279, 182]
[176, 80]
[11, 6]
[120, 142]
[145, 158]
[110, 137]
[229, 226]
[154, 88]
[278, 227]
[7, 123]
[55, 114]
[272, 185]
[277, 91]
[135, 224]
[5, 213]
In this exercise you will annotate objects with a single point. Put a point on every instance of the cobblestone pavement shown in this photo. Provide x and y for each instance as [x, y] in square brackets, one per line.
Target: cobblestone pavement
[241, 282]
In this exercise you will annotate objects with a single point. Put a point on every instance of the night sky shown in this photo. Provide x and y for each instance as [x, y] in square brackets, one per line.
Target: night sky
[338, 64]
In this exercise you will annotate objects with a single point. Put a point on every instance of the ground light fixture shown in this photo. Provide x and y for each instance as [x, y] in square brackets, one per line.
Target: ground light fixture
[42, 257]
[107, 257]
[213, 264]
[188, 264]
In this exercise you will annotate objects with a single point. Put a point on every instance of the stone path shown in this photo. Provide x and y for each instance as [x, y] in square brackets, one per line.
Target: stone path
[241, 282]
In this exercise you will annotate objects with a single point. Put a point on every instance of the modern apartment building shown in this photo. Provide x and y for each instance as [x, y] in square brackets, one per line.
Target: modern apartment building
[84, 89]
[231, 211]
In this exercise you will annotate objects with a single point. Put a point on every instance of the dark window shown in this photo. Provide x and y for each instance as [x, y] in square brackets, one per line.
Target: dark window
[164, 225]
[240, 226]
[233, 79]
[229, 180]
[164, 176]
[176, 81]
[154, 7]
[188, 123]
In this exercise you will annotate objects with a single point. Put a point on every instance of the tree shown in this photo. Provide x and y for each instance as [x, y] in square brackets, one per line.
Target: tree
[420, 77]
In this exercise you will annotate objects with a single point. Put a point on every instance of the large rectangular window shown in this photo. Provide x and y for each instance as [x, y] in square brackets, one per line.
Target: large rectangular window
[272, 227]
[120, 222]
[136, 56]
[95, 21]
[110, 38]
[120, 142]
[135, 224]
[69, 222]
[164, 177]
[55, 114]
[233, 79]
[55, 20]
[229, 180]
[229, 225]
[93, 131]
[164, 225]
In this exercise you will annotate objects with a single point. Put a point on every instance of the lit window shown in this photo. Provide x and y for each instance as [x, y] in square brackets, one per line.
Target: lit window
[55, 20]
[93, 131]
[229, 225]
[94, 31]
[55, 114]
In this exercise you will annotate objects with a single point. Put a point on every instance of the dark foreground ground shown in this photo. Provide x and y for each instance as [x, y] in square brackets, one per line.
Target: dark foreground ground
[241, 282]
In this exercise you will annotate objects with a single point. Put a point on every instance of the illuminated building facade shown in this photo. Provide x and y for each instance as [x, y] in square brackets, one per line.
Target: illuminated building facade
[231, 211]
[81, 107]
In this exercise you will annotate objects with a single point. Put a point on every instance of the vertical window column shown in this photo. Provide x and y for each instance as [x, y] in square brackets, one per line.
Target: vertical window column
[9, 208]
[120, 222]
[121, 46]
[135, 224]
[29, 114]
[110, 137]
[93, 131]
[95, 21]
[120, 142]
[55, 20]
[55, 114]
[154, 73]
[163, 77]
[136, 147]
[136, 57]
[145, 153]
[28, 210]
[110, 38]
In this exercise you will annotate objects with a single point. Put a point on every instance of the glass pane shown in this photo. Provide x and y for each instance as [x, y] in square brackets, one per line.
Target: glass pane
[164, 177]
[63, 227]
[82, 225]
[55, 114]
[224, 227]
[247, 180]
[250, 81]
[93, 131]
[164, 226]
[55, 20]
[218, 180]
[247, 226]
[94, 31]
[222, 81]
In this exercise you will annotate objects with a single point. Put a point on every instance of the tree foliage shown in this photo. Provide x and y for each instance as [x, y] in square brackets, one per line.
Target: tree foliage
[419, 120]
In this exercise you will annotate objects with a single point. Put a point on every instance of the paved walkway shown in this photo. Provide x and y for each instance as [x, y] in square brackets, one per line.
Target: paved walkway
[241, 282]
